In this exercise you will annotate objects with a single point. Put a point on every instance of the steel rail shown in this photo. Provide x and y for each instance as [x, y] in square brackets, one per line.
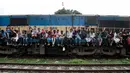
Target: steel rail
[65, 65]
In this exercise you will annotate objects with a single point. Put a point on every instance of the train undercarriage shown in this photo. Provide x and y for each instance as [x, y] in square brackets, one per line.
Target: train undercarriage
[40, 49]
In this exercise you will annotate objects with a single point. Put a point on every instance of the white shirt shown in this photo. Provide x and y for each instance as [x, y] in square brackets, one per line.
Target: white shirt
[46, 35]
[115, 38]
[58, 34]
[16, 38]
[92, 35]
[34, 32]
[69, 34]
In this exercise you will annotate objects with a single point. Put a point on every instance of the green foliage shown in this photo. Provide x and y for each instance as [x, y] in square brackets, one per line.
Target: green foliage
[65, 61]
[77, 61]
[67, 11]
[125, 61]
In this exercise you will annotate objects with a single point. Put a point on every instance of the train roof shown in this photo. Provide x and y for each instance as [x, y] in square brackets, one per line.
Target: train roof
[100, 17]
[65, 15]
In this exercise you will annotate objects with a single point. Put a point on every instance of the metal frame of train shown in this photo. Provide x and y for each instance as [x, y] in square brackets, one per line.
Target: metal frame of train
[63, 21]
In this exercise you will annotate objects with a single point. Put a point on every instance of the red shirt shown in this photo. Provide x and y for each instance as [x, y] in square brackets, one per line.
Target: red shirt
[54, 35]
[128, 40]
[42, 31]
[50, 34]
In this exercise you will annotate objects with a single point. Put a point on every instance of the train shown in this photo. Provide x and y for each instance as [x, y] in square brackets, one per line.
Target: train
[62, 21]
[69, 46]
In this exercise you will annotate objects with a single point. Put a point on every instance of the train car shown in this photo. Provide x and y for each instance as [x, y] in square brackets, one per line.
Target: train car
[116, 24]
[57, 21]
[79, 45]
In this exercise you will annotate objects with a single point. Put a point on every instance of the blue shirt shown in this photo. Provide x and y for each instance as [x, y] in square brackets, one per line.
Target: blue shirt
[8, 31]
[3, 34]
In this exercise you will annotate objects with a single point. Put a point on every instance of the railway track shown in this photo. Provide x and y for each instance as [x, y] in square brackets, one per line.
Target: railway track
[63, 68]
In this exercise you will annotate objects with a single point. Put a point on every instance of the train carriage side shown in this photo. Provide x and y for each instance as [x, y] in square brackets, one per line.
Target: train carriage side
[4, 21]
[114, 23]
[65, 23]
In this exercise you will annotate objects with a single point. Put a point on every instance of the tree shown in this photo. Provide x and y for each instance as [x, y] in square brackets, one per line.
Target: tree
[67, 11]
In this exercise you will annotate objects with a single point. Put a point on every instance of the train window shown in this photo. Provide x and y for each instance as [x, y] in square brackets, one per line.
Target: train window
[18, 21]
[90, 20]
[114, 23]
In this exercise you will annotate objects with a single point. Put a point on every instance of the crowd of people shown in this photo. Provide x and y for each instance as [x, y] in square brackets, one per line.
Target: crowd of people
[74, 36]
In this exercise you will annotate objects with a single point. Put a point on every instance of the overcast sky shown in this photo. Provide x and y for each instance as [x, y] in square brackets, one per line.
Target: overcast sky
[100, 7]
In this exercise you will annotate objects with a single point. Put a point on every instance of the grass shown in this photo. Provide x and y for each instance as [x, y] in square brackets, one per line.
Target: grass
[65, 61]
